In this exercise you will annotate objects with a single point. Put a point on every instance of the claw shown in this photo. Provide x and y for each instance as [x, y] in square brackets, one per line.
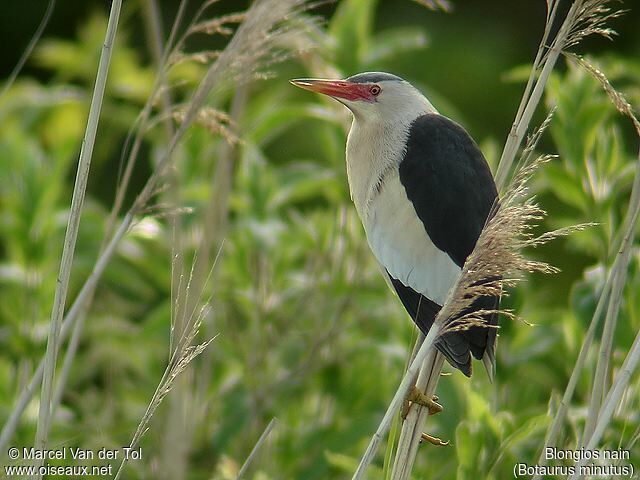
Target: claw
[416, 396]
[425, 437]
[406, 405]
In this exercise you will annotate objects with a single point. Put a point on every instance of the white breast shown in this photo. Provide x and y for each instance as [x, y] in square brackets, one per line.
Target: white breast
[395, 234]
[400, 242]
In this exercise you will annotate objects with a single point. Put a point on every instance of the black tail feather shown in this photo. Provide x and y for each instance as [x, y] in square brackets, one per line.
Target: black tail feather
[457, 347]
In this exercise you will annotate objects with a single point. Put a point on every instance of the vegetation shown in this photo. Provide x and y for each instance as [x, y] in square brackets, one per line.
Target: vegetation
[243, 284]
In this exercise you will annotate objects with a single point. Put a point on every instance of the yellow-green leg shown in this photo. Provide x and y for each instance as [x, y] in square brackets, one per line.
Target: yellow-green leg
[425, 437]
[431, 403]
[416, 396]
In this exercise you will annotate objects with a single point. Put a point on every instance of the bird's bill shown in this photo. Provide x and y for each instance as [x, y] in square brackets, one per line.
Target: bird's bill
[335, 88]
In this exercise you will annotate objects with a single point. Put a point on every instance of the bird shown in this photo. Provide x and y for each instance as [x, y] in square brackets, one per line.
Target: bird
[423, 191]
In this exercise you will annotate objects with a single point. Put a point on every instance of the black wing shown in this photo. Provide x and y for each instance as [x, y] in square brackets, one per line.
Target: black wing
[450, 185]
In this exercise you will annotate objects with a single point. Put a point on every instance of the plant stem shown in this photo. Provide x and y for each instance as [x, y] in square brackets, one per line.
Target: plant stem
[616, 281]
[554, 429]
[246, 39]
[32, 44]
[71, 235]
[604, 353]
[397, 400]
[517, 135]
[69, 356]
[413, 423]
[619, 281]
[85, 292]
[613, 400]
[255, 448]
[504, 165]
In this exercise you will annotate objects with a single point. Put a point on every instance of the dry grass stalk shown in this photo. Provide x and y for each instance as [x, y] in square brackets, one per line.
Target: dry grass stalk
[410, 435]
[256, 448]
[267, 24]
[250, 49]
[183, 355]
[617, 98]
[254, 46]
[591, 18]
[611, 402]
[73, 225]
[584, 18]
[497, 260]
[218, 26]
[611, 293]
[215, 121]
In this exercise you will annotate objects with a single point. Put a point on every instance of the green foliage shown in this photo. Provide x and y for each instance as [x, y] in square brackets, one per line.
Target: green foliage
[356, 45]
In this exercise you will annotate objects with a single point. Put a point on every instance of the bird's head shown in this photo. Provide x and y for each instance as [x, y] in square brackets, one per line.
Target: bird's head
[373, 96]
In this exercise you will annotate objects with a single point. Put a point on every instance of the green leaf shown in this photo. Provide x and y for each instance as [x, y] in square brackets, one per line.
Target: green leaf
[351, 27]
[390, 43]
[565, 186]
[468, 446]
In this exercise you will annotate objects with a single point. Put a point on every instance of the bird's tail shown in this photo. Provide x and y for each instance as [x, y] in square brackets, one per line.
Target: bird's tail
[456, 346]
[489, 362]
[477, 341]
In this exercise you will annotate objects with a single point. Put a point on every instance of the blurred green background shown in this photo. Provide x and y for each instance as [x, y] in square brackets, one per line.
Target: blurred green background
[308, 331]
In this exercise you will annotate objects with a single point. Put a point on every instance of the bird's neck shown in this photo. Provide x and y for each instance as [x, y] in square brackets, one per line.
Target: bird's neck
[374, 149]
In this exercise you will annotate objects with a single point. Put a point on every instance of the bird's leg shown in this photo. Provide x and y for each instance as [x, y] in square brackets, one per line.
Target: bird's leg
[425, 437]
[416, 396]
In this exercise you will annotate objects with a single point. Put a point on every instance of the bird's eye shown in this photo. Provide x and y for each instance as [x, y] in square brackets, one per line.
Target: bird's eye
[374, 89]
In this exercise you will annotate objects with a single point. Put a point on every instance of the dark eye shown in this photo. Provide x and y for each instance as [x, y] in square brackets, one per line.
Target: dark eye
[374, 89]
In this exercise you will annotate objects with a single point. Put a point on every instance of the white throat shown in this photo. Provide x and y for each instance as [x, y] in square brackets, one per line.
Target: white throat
[375, 147]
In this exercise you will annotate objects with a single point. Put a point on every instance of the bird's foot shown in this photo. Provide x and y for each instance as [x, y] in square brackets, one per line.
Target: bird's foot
[416, 396]
[425, 437]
